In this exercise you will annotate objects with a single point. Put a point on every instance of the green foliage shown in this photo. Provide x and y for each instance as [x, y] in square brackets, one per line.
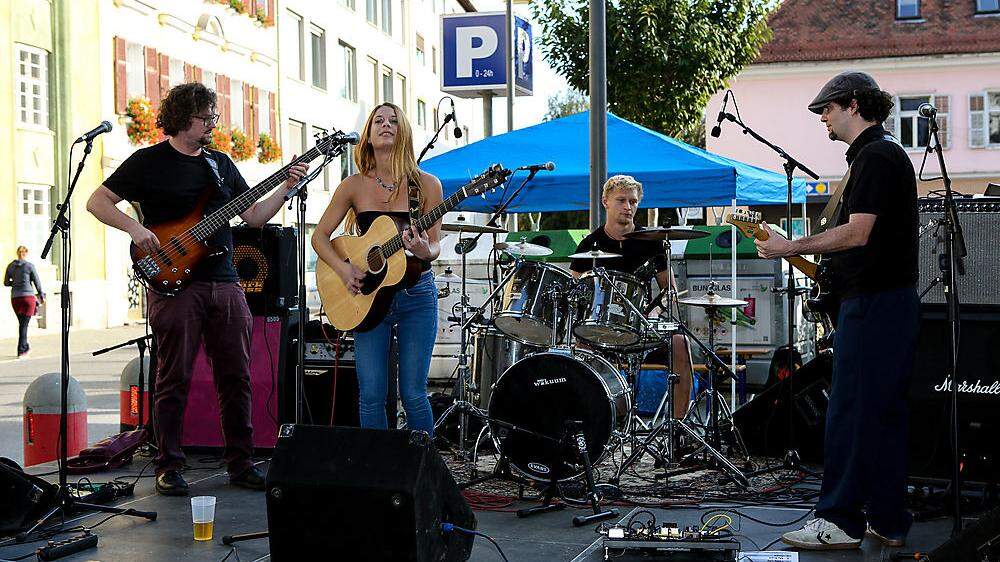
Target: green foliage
[566, 103]
[665, 58]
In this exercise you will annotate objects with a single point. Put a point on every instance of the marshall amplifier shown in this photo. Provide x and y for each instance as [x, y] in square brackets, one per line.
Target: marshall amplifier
[980, 220]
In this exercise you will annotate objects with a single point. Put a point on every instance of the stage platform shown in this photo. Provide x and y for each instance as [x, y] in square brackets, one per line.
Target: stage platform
[549, 537]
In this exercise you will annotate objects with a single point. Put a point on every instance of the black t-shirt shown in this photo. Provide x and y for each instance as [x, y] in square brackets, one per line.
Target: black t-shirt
[167, 184]
[635, 253]
[882, 183]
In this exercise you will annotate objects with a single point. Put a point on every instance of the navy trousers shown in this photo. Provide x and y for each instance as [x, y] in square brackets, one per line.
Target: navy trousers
[864, 462]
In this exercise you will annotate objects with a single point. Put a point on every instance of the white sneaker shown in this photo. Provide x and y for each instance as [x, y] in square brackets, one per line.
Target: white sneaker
[820, 534]
[885, 539]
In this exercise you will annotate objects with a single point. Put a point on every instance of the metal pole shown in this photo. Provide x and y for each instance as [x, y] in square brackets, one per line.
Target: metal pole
[511, 64]
[598, 110]
[732, 311]
[487, 114]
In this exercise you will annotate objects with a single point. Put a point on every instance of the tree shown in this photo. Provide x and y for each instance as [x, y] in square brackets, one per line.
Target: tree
[665, 58]
[566, 103]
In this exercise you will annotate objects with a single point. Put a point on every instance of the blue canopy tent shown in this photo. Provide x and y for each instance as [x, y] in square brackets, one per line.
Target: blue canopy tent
[673, 173]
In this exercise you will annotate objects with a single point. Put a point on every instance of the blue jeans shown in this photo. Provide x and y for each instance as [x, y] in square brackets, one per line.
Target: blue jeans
[414, 315]
[864, 478]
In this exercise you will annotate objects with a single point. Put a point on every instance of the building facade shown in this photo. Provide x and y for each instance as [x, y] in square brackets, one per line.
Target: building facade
[921, 51]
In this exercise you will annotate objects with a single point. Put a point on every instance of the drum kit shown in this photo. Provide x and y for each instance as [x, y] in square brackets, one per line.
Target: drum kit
[555, 363]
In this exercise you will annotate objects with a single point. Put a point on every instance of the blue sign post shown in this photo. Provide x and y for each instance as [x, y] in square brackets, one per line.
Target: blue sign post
[472, 55]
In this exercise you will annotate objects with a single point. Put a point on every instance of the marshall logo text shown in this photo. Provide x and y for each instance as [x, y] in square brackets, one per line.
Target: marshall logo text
[969, 388]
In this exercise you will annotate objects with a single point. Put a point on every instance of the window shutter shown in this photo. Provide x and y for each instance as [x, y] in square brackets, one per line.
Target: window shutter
[270, 11]
[197, 74]
[251, 8]
[222, 99]
[188, 73]
[273, 117]
[152, 78]
[943, 105]
[121, 98]
[977, 120]
[164, 75]
[247, 109]
[890, 124]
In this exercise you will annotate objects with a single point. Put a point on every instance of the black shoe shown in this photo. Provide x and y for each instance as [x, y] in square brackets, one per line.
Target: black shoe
[251, 479]
[171, 483]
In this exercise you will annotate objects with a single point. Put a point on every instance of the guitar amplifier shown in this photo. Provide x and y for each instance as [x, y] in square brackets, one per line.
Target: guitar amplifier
[265, 260]
[980, 220]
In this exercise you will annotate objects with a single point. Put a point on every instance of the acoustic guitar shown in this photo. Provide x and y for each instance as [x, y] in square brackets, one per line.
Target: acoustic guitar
[183, 242]
[379, 253]
[823, 300]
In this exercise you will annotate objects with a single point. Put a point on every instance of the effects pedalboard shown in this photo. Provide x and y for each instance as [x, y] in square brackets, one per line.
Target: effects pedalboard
[667, 541]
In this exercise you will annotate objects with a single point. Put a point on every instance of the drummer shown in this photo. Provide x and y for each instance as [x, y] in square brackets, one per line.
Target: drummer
[621, 196]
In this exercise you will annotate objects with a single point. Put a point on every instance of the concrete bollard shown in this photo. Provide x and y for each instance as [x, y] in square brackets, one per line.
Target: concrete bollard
[128, 403]
[41, 419]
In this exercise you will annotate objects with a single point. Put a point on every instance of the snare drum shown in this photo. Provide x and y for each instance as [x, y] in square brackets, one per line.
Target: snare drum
[527, 314]
[606, 319]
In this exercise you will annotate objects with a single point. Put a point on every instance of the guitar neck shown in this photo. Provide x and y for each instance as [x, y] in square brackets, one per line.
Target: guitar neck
[213, 222]
[395, 244]
[805, 266]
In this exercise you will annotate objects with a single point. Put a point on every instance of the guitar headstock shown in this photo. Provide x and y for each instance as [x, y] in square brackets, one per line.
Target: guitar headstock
[332, 144]
[491, 178]
[748, 222]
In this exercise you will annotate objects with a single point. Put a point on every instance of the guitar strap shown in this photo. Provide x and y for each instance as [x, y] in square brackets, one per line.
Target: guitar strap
[832, 208]
[214, 166]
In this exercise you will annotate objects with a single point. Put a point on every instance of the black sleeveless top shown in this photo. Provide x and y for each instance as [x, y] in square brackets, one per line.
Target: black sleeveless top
[401, 218]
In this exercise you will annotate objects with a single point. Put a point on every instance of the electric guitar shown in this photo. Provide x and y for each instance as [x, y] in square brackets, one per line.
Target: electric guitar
[379, 253]
[184, 242]
[823, 300]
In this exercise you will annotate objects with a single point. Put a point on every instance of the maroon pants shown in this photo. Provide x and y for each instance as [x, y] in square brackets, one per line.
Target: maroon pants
[217, 314]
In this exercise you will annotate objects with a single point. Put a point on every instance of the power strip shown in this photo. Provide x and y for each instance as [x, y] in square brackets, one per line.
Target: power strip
[59, 549]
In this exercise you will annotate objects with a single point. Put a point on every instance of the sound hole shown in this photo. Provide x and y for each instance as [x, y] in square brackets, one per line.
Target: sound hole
[376, 261]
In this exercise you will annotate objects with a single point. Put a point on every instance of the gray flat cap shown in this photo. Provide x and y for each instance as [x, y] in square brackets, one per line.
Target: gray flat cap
[841, 85]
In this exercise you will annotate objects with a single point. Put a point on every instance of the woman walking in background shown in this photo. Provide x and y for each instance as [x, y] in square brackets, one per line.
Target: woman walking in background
[20, 277]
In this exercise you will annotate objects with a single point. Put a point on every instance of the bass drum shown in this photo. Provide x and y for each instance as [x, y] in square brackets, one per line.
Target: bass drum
[541, 393]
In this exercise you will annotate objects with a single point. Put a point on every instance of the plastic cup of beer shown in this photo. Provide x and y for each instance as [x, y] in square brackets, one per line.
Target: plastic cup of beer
[203, 515]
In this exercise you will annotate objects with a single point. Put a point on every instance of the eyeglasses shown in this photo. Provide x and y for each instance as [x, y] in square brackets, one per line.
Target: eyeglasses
[208, 120]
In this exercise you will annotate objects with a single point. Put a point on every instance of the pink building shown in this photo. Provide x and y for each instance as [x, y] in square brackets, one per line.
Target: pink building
[944, 52]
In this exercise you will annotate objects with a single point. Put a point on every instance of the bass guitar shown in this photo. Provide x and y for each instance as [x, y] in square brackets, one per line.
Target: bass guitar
[379, 253]
[183, 242]
[823, 301]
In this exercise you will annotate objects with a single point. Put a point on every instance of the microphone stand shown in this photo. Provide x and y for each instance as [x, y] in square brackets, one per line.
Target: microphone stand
[65, 502]
[790, 165]
[430, 143]
[142, 342]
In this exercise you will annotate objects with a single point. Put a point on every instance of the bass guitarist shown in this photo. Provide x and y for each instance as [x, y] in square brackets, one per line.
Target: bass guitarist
[167, 181]
[872, 252]
[388, 183]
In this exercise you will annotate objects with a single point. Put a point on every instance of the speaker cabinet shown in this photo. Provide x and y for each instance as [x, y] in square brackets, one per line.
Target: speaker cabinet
[265, 260]
[363, 494]
[25, 498]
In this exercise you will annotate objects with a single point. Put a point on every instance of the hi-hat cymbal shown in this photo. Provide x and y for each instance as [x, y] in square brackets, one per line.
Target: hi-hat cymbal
[449, 277]
[594, 255]
[709, 300]
[523, 248]
[658, 233]
[469, 227]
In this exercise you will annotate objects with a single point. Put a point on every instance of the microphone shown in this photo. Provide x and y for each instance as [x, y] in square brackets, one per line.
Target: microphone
[717, 129]
[927, 110]
[346, 138]
[538, 167]
[104, 127]
[458, 130]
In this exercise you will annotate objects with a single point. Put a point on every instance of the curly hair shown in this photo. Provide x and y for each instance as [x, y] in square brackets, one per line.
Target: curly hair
[873, 105]
[181, 103]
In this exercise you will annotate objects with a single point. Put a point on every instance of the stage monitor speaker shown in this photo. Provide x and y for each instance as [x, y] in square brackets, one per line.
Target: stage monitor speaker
[764, 421]
[363, 494]
[978, 396]
[980, 219]
[265, 260]
[25, 498]
[979, 541]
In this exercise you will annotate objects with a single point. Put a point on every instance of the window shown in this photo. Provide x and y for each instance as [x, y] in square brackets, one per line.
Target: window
[387, 85]
[236, 106]
[399, 88]
[372, 11]
[987, 6]
[135, 71]
[317, 133]
[296, 136]
[318, 36]
[32, 86]
[984, 119]
[420, 50]
[346, 165]
[176, 72]
[434, 60]
[437, 122]
[373, 73]
[907, 9]
[296, 46]
[349, 83]
[912, 130]
[208, 79]
[421, 114]
[347, 3]
[33, 216]
[387, 17]
[264, 115]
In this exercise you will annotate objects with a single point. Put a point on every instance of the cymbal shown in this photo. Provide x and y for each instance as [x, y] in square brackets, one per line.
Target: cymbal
[657, 233]
[594, 255]
[710, 300]
[469, 227]
[523, 248]
[449, 277]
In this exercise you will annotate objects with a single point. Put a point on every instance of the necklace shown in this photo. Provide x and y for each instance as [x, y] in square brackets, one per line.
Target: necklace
[390, 187]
